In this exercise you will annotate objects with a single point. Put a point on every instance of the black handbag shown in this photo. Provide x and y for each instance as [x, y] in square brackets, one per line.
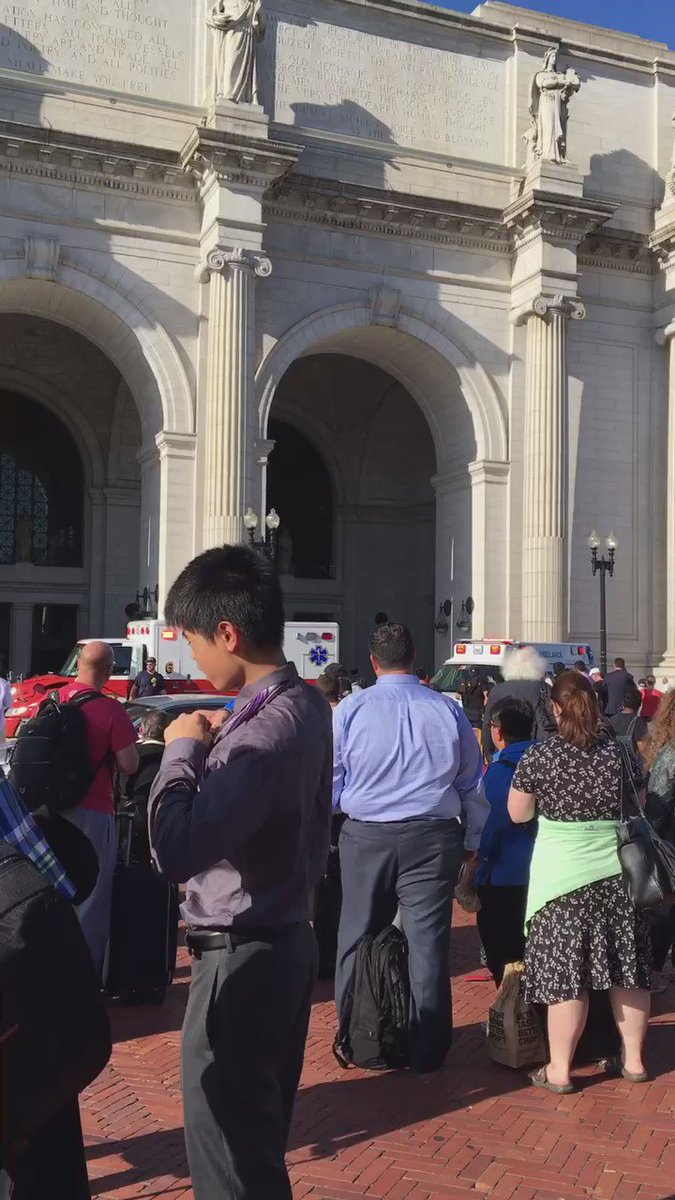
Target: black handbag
[647, 861]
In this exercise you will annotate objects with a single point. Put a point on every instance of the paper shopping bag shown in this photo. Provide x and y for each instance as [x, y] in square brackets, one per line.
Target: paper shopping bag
[514, 1037]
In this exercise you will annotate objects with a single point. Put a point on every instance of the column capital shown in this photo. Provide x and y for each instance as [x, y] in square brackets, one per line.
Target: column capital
[221, 260]
[483, 471]
[548, 306]
[665, 335]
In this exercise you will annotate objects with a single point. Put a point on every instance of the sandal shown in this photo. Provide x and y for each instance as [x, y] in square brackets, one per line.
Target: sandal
[614, 1066]
[540, 1080]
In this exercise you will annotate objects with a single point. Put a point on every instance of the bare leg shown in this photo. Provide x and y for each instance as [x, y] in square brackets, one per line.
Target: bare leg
[566, 1022]
[631, 1007]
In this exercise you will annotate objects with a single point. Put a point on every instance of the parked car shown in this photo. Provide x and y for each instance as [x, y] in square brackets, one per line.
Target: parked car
[175, 704]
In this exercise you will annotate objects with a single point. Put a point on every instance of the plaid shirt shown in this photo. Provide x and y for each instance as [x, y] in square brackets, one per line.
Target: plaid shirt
[19, 828]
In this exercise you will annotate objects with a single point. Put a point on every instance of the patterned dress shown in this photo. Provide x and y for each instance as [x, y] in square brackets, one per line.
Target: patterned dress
[591, 938]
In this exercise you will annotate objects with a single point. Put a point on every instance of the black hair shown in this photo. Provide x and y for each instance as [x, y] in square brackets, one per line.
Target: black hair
[651, 681]
[558, 668]
[381, 618]
[229, 583]
[580, 665]
[422, 674]
[334, 687]
[631, 697]
[620, 664]
[392, 647]
[515, 718]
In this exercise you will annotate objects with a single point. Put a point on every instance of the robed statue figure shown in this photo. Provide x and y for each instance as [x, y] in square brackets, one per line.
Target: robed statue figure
[550, 96]
[238, 26]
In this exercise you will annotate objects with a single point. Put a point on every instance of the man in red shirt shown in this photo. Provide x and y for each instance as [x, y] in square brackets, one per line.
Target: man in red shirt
[651, 698]
[112, 743]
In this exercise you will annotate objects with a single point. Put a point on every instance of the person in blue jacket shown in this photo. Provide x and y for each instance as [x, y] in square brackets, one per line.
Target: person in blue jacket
[505, 851]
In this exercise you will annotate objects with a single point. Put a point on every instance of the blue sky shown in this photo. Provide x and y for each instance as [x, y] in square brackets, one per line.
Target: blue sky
[648, 18]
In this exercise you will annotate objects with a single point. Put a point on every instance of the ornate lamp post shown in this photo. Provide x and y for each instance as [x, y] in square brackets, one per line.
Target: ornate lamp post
[606, 567]
[268, 543]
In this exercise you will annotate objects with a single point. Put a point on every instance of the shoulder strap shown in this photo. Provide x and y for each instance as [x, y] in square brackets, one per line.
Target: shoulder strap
[627, 776]
[82, 698]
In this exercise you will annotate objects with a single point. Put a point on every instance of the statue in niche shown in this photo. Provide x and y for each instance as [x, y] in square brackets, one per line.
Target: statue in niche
[550, 95]
[23, 538]
[285, 552]
[238, 25]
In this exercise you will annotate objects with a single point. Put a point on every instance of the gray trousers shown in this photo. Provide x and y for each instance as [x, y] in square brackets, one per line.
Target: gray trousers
[243, 1048]
[413, 866]
[94, 914]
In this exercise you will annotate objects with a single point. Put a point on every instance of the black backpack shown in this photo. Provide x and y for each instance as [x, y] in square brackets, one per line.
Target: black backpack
[54, 1029]
[373, 1032]
[50, 764]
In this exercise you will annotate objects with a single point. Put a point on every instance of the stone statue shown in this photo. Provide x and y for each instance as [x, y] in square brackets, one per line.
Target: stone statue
[550, 96]
[23, 538]
[285, 553]
[237, 26]
[530, 140]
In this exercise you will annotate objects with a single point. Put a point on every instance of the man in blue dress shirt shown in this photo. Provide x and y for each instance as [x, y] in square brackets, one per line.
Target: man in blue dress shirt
[408, 775]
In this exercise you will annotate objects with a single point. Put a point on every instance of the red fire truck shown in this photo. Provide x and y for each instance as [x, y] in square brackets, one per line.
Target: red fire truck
[311, 647]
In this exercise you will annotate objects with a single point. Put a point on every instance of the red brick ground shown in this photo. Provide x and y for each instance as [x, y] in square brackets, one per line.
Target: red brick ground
[474, 1130]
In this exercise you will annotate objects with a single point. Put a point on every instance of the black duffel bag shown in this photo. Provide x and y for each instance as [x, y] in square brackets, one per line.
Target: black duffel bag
[54, 1030]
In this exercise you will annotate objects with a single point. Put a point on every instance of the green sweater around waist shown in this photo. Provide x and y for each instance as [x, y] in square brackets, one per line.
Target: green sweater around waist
[569, 855]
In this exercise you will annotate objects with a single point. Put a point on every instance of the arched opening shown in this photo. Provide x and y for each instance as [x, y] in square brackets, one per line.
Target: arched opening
[350, 433]
[299, 486]
[70, 493]
[41, 487]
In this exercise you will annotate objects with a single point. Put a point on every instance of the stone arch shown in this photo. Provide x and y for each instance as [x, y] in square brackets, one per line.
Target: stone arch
[138, 346]
[17, 379]
[416, 352]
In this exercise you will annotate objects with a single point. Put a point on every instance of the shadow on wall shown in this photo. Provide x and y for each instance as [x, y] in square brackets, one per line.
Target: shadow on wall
[622, 173]
[347, 118]
[17, 53]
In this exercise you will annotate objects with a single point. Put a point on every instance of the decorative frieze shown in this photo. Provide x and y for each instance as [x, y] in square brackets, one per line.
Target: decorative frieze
[92, 162]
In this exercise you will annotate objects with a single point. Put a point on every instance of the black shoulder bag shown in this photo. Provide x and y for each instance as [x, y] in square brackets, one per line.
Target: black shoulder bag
[647, 861]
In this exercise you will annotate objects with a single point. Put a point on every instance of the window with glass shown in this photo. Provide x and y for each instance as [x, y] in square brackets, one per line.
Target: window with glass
[41, 487]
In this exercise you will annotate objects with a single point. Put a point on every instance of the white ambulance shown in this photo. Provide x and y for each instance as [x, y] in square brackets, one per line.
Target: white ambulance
[311, 647]
[487, 656]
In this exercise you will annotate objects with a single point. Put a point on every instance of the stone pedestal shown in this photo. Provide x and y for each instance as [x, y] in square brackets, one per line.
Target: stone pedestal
[545, 494]
[246, 120]
[229, 388]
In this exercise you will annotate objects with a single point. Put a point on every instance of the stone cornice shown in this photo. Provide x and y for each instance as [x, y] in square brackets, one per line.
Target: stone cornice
[305, 199]
[662, 240]
[561, 219]
[617, 251]
[88, 161]
[248, 162]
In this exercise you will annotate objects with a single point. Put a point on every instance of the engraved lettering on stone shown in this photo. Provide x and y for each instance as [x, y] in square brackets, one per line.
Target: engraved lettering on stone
[550, 95]
[144, 47]
[363, 85]
[238, 25]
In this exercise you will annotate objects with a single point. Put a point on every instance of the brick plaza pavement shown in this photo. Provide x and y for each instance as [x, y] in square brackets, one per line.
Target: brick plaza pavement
[473, 1130]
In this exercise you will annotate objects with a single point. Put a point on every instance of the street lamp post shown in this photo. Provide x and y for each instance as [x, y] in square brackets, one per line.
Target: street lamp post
[268, 543]
[606, 567]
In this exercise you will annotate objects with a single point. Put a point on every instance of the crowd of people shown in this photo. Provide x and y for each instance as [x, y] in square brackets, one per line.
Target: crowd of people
[518, 789]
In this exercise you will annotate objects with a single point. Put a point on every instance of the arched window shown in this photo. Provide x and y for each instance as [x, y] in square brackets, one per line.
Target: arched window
[41, 487]
[299, 487]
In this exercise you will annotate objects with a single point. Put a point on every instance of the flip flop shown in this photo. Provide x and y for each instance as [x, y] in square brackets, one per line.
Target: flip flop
[539, 1080]
[614, 1066]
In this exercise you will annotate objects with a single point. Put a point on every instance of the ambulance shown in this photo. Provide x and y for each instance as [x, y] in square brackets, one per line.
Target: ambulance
[311, 647]
[487, 657]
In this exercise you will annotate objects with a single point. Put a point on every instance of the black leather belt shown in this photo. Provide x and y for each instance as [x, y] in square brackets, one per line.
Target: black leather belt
[201, 940]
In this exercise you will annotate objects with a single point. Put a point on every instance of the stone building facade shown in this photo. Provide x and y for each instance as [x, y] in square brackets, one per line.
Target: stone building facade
[372, 299]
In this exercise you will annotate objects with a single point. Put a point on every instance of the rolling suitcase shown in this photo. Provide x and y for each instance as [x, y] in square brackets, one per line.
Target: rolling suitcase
[143, 943]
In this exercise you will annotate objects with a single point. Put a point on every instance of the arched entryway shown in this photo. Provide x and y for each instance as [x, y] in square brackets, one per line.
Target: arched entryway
[412, 436]
[70, 493]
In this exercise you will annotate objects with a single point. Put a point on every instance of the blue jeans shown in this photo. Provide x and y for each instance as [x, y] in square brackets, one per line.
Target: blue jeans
[412, 866]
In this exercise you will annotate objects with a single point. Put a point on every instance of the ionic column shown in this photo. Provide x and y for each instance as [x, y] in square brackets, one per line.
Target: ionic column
[545, 490]
[229, 387]
[666, 337]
